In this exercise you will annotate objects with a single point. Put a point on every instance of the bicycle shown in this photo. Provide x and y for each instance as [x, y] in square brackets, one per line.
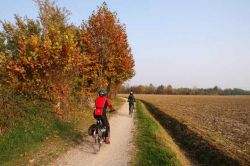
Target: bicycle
[131, 110]
[97, 131]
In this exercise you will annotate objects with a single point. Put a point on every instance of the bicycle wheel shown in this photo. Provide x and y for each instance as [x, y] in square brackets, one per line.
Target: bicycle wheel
[96, 142]
[100, 137]
[132, 110]
[129, 110]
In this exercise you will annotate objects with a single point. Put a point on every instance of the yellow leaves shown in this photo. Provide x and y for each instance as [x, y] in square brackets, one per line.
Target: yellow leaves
[66, 37]
[36, 50]
[46, 45]
[21, 47]
[47, 42]
[2, 58]
[34, 41]
[19, 70]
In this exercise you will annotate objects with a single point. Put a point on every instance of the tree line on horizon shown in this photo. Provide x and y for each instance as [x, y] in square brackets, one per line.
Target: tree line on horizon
[169, 90]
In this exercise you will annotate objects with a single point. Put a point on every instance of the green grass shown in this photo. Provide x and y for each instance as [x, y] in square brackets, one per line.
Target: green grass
[117, 102]
[36, 124]
[151, 141]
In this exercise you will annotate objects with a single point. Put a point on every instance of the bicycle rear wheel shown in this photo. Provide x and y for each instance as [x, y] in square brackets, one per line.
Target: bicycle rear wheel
[131, 110]
[96, 142]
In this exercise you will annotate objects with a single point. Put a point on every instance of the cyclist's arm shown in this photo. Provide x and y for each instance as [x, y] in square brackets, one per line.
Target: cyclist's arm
[110, 106]
[95, 102]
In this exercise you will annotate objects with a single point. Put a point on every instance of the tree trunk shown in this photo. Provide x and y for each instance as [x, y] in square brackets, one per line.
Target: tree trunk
[109, 88]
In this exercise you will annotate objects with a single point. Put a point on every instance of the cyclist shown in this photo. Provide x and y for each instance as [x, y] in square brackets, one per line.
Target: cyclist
[101, 104]
[131, 100]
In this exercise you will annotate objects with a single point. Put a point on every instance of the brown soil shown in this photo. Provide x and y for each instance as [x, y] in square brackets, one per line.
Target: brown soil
[223, 120]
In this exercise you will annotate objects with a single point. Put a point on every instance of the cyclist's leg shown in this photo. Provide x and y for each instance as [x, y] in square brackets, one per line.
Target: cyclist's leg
[105, 122]
[97, 117]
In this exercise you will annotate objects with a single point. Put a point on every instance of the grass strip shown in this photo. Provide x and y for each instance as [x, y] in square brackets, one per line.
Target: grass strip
[154, 146]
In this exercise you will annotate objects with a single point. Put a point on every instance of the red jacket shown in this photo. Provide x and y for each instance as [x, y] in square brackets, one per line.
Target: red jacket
[101, 104]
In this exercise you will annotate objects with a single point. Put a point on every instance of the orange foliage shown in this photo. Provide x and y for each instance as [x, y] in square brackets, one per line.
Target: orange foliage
[48, 57]
[106, 43]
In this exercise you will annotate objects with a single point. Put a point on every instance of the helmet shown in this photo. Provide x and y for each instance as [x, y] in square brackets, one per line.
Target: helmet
[131, 92]
[101, 93]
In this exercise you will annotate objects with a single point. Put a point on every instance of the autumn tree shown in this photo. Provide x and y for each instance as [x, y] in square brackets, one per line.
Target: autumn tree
[39, 54]
[105, 42]
[48, 57]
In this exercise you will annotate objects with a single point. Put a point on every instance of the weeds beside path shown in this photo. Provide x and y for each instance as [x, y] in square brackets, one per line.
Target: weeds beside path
[41, 137]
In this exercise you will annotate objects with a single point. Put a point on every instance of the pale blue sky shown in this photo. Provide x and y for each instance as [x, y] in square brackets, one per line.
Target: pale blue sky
[185, 43]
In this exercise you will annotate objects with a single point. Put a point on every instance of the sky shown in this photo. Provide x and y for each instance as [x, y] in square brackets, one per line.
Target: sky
[185, 43]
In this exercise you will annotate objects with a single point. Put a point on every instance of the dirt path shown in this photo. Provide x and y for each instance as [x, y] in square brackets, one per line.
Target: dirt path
[118, 153]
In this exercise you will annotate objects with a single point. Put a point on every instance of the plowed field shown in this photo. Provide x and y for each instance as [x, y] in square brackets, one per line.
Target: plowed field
[223, 120]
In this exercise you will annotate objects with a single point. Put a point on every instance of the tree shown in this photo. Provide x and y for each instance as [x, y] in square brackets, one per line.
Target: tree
[160, 89]
[169, 90]
[49, 57]
[40, 54]
[141, 89]
[107, 46]
[150, 89]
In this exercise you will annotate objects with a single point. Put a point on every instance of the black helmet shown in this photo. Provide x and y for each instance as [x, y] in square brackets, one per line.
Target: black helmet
[101, 93]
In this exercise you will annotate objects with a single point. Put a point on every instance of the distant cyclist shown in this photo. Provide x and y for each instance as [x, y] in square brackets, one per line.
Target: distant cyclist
[131, 100]
[101, 104]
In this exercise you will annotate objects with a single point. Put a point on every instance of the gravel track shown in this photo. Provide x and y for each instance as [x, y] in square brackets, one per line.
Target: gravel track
[118, 153]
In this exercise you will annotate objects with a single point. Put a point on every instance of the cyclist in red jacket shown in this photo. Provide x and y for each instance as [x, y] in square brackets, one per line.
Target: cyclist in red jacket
[101, 104]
